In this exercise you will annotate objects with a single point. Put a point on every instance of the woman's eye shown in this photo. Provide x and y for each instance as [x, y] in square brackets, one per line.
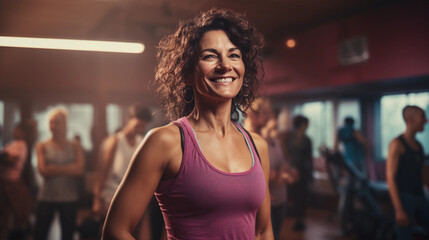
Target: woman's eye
[210, 56]
[235, 55]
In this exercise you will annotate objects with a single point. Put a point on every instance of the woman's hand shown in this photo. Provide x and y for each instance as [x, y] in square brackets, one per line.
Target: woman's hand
[290, 175]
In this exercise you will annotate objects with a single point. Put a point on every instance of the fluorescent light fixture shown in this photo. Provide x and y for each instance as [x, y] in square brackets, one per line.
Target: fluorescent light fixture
[70, 44]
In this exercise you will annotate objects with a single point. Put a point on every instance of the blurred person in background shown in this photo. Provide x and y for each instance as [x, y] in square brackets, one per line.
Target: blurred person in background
[116, 154]
[60, 162]
[260, 119]
[204, 168]
[404, 172]
[15, 198]
[354, 145]
[298, 149]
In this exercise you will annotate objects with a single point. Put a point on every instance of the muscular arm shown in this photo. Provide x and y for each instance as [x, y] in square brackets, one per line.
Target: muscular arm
[263, 217]
[146, 169]
[395, 150]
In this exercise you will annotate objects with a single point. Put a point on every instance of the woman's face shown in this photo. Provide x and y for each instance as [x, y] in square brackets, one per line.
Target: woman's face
[219, 70]
[57, 125]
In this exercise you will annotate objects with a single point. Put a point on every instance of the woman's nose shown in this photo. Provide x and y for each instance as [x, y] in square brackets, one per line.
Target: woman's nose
[224, 66]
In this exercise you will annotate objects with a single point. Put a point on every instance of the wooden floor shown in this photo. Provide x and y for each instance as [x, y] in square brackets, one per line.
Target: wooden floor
[320, 225]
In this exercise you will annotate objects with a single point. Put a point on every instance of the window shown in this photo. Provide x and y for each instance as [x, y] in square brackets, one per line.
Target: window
[321, 126]
[392, 123]
[9, 117]
[1, 122]
[349, 108]
[114, 118]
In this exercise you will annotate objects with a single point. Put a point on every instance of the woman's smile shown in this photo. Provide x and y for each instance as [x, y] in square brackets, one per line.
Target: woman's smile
[222, 80]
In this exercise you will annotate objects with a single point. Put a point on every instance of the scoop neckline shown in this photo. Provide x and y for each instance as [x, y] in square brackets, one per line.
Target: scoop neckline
[200, 152]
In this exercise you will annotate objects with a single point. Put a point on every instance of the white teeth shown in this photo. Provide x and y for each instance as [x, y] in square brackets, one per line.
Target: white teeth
[223, 80]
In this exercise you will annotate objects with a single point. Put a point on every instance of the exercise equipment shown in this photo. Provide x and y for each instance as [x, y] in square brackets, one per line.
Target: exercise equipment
[364, 207]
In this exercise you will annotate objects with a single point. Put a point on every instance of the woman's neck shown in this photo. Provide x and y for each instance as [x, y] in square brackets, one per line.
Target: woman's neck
[212, 118]
[59, 139]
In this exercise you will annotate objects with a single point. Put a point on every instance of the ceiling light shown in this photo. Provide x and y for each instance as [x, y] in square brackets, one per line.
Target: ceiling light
[290, 43]
[71, 44]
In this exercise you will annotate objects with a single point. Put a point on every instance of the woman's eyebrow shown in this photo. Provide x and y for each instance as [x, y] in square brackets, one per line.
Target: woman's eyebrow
[233, 49]
[209, 50]
[215, 51]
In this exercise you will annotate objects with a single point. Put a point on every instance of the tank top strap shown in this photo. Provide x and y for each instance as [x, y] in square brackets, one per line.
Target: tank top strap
[404, 143]
[167, 184]
[180, 123]
[185, 138]
[407, 147]
[189, 140]
[249, 138]
[182, 134]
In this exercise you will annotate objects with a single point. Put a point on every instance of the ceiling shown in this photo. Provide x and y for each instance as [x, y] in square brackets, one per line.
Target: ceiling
[84, 76]
[149, 20]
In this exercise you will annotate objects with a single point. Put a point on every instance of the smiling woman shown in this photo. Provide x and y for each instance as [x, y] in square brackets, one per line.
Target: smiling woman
[208, 174]
[178, 54]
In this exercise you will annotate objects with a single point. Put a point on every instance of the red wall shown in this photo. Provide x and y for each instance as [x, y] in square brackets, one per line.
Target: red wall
[398, 43]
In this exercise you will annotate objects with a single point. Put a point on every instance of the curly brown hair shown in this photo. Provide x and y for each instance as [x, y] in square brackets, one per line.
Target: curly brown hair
[176, 60]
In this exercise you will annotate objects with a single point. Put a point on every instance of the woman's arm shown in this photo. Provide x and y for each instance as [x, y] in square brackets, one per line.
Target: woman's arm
[147, 167]
[264, 228]
[104, 166]
[76, 168]
[41, 161]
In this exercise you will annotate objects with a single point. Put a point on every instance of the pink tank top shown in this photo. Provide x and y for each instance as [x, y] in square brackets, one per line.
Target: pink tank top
[202, 202]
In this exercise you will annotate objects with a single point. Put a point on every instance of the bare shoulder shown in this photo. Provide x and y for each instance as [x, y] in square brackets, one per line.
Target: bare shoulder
[165, 140]
[41, 145]
[167, 135]
[161, 146]
[395, 148]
